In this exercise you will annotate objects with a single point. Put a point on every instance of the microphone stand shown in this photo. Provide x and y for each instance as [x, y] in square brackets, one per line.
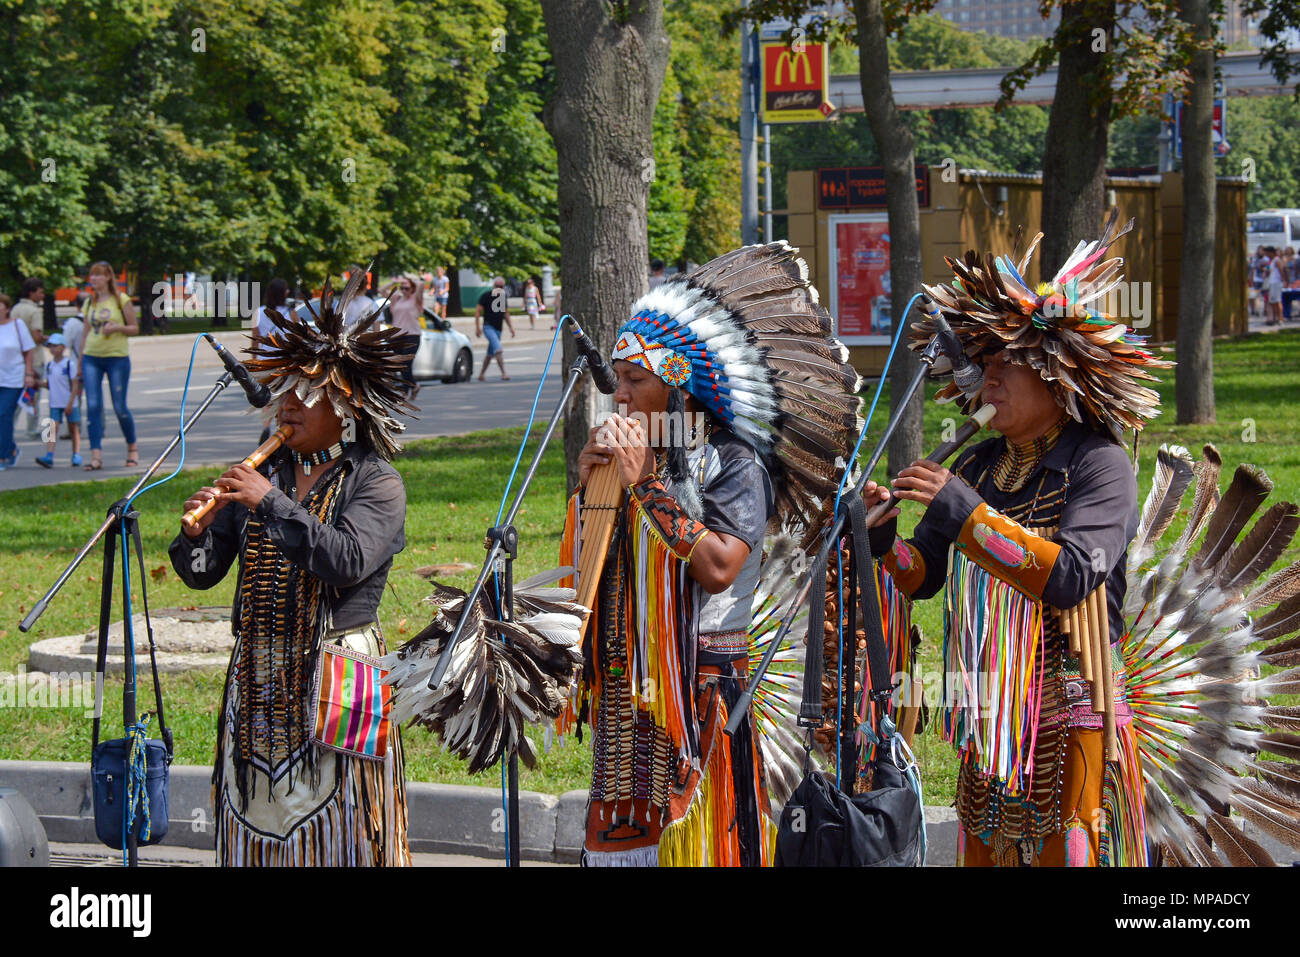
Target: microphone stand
[502, 543]
[830, 537]
[120, 521]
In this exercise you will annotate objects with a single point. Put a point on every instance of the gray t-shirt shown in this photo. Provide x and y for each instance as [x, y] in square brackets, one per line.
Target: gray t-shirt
[736, 493]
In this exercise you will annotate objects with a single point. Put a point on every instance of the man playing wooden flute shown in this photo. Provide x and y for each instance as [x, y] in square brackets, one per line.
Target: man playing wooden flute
[1027, 536]
[308, 770]
[737, 409]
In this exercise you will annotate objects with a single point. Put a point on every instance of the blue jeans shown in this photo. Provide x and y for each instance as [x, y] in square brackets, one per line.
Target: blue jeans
[118, 369]
[493, 336]
[8, 403]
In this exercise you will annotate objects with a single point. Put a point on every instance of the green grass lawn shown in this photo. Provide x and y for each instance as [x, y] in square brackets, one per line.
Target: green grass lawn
[454, 487]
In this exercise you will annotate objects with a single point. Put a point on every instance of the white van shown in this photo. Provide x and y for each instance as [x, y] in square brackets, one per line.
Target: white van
[1273, 227]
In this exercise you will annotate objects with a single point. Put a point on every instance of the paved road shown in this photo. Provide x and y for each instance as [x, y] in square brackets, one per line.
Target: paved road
[227, 432]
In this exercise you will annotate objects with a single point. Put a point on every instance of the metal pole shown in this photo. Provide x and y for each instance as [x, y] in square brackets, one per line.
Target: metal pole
[577, 370]
[767, 183]
[748, 144]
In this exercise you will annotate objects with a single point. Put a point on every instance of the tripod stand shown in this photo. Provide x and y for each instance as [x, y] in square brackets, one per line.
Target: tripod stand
[123, 521]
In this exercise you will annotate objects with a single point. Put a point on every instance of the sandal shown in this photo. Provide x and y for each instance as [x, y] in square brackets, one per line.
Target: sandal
[95, 465]
[132, 459]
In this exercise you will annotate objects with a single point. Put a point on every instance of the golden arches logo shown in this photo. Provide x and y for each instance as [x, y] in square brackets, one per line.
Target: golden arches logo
[790, 64]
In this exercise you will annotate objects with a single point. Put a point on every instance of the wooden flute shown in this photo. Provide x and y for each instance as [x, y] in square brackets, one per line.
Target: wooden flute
[255, 458]
[979, 420]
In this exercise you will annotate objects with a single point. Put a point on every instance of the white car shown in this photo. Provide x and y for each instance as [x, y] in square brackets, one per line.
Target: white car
[444, 353]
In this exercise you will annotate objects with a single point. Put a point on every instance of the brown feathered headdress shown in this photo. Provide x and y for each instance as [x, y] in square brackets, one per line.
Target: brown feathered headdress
[356, 368]
[1091, 361]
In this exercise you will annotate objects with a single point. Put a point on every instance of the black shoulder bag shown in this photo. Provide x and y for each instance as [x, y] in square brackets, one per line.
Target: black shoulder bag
[822, 826]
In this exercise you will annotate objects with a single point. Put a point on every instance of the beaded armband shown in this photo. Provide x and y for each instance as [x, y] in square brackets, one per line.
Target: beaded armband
[680, 532]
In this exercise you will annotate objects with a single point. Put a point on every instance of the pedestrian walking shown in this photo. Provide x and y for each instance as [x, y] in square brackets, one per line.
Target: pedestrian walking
[63, 381]
[405, 306]
[73, 327]
[29, 310]
[441, 292]
[492, 311]
[16, 374]
[1274, 306]
[110, 320]
[532, 302]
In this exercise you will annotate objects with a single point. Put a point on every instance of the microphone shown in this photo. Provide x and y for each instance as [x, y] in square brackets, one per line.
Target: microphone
[967, 375]
[601, 372]
[258, 394]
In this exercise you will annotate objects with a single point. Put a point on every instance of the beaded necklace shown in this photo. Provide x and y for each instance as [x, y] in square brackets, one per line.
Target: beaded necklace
[318, 458]
[1018, 462]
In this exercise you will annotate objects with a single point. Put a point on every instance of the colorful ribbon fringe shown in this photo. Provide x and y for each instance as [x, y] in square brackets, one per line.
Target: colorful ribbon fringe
[993, 672]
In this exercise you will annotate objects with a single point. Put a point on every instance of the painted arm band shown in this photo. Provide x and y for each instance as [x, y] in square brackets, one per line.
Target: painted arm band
[679, 531]
[1008, 550]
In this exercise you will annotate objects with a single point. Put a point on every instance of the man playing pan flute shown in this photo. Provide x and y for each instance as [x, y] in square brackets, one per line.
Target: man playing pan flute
[308, 770]
[760, 412]
[1027, 536]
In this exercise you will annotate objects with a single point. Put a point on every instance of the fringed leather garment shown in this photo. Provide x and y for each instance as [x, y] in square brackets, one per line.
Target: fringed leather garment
[1032, 793]
[668, 788]
[280, 799]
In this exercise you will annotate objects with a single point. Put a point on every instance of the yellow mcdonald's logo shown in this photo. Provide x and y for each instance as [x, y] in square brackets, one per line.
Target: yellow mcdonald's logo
[789, 65]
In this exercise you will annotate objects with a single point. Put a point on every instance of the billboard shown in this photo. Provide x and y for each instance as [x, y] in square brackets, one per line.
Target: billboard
[860, 278]
[795, 79]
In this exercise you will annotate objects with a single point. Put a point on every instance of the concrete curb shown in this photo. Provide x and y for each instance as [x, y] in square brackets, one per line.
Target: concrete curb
[444, 818]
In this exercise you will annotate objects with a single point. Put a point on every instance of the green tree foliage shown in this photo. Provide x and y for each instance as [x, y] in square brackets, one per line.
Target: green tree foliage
[509, 213]
[50, 138]
[670, 202]
[705, 70]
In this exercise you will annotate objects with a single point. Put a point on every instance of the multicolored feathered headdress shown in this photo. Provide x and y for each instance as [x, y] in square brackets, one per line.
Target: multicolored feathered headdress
[356, 368]
[1091, 362]
[745, 335]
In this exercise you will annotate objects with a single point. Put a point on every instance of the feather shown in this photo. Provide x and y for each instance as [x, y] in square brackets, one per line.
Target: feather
[1172, 476]
[1240, 850]
[1250, 486]
[1282, 620]
[1280, 587]
[1260, 548]
[1206, 498]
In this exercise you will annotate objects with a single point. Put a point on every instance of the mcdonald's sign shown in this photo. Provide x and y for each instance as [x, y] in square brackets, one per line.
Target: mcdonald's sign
[795, 78]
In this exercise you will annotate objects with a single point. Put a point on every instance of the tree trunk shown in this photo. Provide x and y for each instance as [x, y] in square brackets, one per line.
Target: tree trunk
[454, 307]
[610, 59]
[894, 141]
[1074, 159]
[1194, 374]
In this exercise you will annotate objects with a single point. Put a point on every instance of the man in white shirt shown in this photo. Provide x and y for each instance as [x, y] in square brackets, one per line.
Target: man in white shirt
[30, 311]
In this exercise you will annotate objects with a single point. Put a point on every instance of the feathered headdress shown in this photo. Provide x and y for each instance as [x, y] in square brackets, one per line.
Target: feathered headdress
[1091, 362]
[356, 368]
[745, 335]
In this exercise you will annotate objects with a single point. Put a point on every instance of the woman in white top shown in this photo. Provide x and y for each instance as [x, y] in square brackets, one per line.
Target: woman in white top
[16, 374]
[1275, 290]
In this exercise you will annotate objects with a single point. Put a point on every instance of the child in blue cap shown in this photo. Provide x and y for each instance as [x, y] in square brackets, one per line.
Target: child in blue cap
[63, 379]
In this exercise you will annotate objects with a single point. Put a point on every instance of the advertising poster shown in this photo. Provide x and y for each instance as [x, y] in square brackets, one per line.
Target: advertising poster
[862, 278]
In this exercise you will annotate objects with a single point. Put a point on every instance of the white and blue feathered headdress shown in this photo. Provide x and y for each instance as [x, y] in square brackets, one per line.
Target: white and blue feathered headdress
[745, 335]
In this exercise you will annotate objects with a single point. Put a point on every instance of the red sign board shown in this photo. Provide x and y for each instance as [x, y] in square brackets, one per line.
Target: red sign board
[794, 82]
[862, 279]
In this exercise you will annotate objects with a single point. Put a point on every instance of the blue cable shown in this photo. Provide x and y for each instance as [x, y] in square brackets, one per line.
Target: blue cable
[505, 495]
[136, 792]
[839, 557]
